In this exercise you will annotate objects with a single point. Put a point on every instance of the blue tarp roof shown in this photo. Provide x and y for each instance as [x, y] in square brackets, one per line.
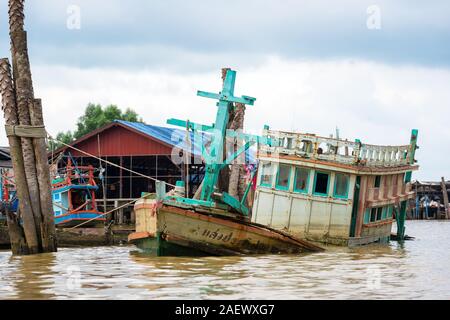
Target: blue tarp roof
[171, 136]
[175, 137]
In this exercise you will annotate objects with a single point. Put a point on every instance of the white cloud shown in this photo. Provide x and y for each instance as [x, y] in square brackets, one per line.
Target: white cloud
[376, 103]
[165, 32]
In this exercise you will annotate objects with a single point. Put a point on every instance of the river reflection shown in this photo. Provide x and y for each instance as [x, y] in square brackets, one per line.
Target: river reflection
[416, 270]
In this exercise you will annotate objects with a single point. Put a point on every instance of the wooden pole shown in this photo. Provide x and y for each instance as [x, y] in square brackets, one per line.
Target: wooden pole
[131, 177]
[16, 23]
[187, 154]
[108, 217]
[236, 168]
[43, 176]
[25, 99]
[34, 150]
[120, 190]
[445, 197]
[24, 239]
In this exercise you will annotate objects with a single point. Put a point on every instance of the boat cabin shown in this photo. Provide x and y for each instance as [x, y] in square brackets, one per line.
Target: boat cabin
[332, 190]
[73, 193]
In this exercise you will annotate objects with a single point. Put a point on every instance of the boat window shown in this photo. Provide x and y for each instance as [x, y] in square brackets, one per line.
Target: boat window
[79, 198]
[377, 181]
[373, 215]
[266, 174]
[289, 143]
[384, 215]
[367, 216]
[56, 196]
[321, 183]
[301, 180]
[306, 146]
[341, 183]
[379, 213]
[284, 171]
[389, 212]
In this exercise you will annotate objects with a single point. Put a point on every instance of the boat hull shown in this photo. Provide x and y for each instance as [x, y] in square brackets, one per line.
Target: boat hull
[74, 219]
[171, 230]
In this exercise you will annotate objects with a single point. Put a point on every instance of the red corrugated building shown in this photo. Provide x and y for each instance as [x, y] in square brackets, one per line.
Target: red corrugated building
[150, 150]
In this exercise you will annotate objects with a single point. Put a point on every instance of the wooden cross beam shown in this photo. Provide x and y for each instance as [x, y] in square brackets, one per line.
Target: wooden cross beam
[214, 160]
[227, 93]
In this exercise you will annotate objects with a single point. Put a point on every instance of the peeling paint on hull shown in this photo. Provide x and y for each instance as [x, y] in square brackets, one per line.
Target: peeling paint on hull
[172, 227]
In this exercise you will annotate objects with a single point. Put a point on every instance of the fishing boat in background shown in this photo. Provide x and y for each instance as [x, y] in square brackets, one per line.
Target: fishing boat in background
[73, 195]
[8, 196]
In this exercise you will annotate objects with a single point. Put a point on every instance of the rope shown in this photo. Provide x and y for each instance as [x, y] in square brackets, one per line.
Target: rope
[60, 206]
[108, 162]
[115, 165]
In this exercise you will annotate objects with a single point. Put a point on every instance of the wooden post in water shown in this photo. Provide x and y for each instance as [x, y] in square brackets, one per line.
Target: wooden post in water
[445, 197]
[43, 176]
[24, 97]
[23, 240]
[25, 129]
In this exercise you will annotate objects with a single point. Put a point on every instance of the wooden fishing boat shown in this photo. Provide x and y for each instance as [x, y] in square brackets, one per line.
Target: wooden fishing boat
[8, 198]
[216, 223]
[308, 188]
[73, 194]
[167, 228]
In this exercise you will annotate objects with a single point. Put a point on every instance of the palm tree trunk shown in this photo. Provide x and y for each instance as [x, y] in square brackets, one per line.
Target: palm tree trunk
[34, 150]
[29, 227]
[236, 168]
[43, 175]
[16, 23]
[24, 99]
[16, 234]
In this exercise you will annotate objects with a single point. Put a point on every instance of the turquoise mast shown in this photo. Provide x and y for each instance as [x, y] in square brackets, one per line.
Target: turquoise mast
[210, 196]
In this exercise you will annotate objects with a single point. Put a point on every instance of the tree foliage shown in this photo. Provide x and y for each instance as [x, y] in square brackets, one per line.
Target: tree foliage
[95, 116]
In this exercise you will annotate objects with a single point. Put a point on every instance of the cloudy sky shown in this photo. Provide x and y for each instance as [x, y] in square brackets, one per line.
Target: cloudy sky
[374, 69]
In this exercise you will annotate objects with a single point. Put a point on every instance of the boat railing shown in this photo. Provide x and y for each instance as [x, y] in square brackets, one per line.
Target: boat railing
[337, 150]
[389, 193]
[79, 175]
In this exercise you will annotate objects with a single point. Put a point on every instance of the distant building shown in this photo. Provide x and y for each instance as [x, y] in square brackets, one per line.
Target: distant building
[429, 202]
[150, 150]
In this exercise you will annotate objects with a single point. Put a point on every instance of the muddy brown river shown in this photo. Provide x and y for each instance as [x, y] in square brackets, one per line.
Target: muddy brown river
[418, 269]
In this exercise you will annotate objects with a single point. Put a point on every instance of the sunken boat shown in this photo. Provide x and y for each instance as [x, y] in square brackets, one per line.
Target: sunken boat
[214, 223]
[308, 191]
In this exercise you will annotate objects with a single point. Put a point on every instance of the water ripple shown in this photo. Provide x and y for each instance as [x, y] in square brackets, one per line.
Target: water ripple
[416, 270]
